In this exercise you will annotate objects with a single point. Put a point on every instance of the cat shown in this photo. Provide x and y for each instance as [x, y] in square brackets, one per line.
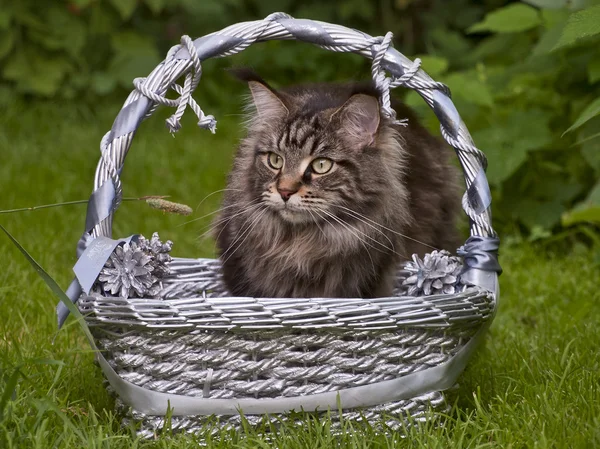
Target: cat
[326, 196]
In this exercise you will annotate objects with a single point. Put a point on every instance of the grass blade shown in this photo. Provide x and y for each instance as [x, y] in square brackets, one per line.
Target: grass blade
[9, 390]
[51, 283]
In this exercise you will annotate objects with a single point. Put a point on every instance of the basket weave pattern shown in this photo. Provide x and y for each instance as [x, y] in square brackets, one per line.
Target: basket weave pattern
[220, 347]
[206, 344]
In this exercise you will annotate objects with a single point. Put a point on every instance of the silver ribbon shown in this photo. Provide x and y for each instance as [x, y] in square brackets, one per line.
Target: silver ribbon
[100, 205]
[481, 253]
[480, 259]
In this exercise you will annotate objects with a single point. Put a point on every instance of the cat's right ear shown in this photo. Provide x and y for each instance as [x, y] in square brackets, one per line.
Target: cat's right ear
[268, 104]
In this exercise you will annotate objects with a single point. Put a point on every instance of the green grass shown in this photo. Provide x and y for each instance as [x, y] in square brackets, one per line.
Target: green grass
[534, 383]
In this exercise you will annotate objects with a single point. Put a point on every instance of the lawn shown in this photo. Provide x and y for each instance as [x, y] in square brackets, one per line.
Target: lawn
[534, 383]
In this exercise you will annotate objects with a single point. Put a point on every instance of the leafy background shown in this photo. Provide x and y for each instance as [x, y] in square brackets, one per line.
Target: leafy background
[524, 75]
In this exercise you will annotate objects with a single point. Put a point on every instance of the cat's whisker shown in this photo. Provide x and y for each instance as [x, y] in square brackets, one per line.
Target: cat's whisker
[355, 231]
[241, 231]
[385, 227]
[215, 192]
[316, 222]
[211, 213]
[340, 233]
[248, 231]
[358, 216]
[225, 220]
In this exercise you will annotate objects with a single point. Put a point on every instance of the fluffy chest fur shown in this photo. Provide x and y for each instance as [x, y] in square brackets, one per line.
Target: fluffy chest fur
[354, 259]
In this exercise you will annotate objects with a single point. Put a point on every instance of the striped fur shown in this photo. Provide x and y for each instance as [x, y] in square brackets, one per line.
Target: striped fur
[342, 233]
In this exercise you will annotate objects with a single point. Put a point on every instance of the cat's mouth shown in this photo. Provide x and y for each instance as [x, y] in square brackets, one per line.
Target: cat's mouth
[291, 211]
[293, 214]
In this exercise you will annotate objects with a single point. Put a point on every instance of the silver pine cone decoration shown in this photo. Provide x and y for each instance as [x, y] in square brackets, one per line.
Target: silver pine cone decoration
[135, 268]
[438, 272]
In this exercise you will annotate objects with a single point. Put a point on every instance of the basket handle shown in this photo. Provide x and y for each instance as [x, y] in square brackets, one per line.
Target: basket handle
[185, 60]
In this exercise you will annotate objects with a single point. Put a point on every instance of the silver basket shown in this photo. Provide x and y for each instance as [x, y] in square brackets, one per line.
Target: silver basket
[193, 350]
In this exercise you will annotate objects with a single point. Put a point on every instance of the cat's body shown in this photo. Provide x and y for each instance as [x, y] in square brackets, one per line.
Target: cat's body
[323, 190]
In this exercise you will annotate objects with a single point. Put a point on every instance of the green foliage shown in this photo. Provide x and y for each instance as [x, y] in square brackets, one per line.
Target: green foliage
[510, 19]
[581, 25]
[528, 91]
[591, 111]
[525, 75]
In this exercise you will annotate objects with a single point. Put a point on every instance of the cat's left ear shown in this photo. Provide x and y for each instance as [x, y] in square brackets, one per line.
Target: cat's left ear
[358, 120]
[268, 105]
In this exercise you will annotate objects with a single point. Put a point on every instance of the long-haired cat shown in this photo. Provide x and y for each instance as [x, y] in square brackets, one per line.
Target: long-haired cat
[326, 196]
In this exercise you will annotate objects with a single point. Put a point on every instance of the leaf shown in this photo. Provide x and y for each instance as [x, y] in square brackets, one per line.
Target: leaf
[555, 187]
[469, 87]
[589, 214]
[547, 41]
[507, 144]
[586, 211]
[581, 25]
[503, 160]
[449, 43]
[124, 7]
[433, 65]
[541, 214]
[594, 195]
[492, 50]
[510, 19]
[591, 111]
[538, 233]
[594, 70]
[590, 144]
[6, 42]
[587, 138]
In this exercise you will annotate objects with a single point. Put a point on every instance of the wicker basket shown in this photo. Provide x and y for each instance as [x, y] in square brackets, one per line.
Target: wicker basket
[192, 350]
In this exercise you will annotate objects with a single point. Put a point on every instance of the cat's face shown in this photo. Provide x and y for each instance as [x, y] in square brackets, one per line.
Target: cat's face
[310, 167]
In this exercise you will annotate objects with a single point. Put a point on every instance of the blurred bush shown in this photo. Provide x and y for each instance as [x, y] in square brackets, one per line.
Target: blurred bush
[524, 75]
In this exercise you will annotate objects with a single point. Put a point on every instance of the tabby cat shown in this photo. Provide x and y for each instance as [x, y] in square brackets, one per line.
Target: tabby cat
[326, 195]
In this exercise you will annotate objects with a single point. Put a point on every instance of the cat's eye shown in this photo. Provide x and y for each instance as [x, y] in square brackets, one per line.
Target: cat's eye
[321, 165]
[275, 161]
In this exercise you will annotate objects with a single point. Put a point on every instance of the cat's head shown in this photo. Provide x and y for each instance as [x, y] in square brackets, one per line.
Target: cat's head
[315, 152]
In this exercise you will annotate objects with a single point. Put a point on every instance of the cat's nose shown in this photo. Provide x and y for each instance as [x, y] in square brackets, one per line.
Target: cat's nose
[286, 193]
